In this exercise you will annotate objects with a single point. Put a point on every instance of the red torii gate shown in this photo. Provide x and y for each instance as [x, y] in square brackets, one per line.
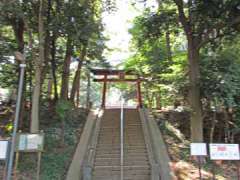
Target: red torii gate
[102, 75]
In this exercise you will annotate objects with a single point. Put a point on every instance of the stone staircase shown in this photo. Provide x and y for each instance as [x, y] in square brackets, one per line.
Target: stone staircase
[107, 156]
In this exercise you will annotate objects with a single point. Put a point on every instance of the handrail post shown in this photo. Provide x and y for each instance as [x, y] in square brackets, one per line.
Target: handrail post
[122, 137]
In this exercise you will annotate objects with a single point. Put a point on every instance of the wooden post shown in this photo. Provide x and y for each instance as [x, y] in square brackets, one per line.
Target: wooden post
[16, 161]
[104, 91]
[213, 171]
[16, 166]
[199, 167]
[139, 93]
[5, 170]
[39, 165]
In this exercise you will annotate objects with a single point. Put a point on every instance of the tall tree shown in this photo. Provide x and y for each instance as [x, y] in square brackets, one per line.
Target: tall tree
[66, 69]
[76, 80]
[38, 72]
[203, 22]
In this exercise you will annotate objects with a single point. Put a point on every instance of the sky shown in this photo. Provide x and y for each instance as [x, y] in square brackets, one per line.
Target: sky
[116, 28]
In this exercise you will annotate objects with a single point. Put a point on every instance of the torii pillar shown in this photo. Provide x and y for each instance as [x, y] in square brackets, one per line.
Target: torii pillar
[139, 93]
[104, 91]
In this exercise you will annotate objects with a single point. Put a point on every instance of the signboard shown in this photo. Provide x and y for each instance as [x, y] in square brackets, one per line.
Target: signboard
[30, 142]
[224, 151]
[198, 149]
[3, 150]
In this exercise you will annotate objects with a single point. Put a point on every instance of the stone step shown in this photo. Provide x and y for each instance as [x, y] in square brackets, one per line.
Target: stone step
[117, 155]
[116, 151]
[126, 146]
[116, 145]
[125, 178]
[134, 160]
[145, 172]
[126, 171]
[116, 163]
[137, 167]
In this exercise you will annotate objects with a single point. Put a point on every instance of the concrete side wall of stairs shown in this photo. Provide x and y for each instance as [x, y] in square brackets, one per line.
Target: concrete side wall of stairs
[75, 170]
[159, 148]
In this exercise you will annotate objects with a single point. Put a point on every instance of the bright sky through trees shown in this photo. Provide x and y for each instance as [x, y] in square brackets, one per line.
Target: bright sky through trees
[117, 25]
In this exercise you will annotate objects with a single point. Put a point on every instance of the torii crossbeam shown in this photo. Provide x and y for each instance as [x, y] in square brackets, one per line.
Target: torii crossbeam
[109, 75]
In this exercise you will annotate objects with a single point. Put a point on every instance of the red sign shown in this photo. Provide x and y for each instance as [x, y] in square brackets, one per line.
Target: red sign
[222, 148]
[224, 151]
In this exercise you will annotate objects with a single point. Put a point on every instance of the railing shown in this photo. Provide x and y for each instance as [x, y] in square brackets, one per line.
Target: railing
[122, 138]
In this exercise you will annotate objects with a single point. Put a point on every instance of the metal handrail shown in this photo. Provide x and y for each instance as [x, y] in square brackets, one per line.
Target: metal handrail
[122, 137]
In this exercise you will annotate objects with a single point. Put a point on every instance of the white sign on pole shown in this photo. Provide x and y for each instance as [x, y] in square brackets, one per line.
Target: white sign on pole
[224, 151]
[3, 150]
[30, 142]
[198, 149]
[22, 142]
[34, 141]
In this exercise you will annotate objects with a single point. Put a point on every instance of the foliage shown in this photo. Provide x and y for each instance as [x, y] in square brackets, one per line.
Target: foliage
[166, 76]
[63, 108]
[220, 75]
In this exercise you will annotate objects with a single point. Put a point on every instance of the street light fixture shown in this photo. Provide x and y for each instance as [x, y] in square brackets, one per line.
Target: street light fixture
[19, 57]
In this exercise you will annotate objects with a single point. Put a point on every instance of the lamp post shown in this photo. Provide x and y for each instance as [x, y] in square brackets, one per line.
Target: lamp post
[19, 57]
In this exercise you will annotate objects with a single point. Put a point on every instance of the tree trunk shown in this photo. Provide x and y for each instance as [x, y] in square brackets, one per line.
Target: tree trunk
[148, 96]
[158, 101]
[49, 92]
[66, 70]
[153, 100]
[88, 103]
[168, 45]
[76, 80]
[45, 68]
[78, 94]
[18, 27]
[194, 92]
[213, 125]
[53, 66]
[226, 125]
[30, 65]
[38, 72]
[52, 50]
